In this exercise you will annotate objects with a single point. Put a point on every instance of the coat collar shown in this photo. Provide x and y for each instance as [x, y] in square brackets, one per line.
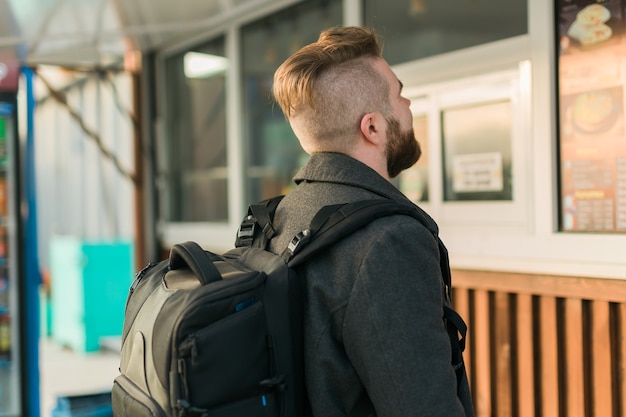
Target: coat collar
[339, 168]
[343, 169]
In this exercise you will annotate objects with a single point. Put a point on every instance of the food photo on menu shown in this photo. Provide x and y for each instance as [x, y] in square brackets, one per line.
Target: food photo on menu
[585, 24]
[594, 113]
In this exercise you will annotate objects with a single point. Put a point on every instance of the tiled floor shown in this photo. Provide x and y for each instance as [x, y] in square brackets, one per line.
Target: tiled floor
[66, 373]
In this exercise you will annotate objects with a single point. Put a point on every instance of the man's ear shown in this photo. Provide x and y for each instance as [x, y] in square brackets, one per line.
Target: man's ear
[373, 127]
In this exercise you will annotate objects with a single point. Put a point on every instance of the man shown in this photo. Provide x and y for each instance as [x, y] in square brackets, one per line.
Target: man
[375, 340]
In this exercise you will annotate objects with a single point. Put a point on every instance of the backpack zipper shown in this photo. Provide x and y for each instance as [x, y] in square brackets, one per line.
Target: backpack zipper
[139, 276]
[188, 347]
[187, 351]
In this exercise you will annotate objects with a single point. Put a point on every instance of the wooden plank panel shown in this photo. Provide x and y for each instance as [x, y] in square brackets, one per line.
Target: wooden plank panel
[621, 352]
[502, 357]
[482, 353]
[601, 359]
[612, 290]
[525, 358]
[549, 364]
[574, 365]
[461, 302]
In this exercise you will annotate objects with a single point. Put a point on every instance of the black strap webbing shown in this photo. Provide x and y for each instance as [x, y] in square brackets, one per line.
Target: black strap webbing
[257, 228]
[457, 330]
[334, 222]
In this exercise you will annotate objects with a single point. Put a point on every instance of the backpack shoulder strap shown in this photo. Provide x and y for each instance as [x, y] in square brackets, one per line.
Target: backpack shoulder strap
[333, 223]
[257, 229]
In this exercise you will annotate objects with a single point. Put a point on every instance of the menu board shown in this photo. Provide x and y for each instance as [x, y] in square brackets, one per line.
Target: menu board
[5, 310]
[591, 36]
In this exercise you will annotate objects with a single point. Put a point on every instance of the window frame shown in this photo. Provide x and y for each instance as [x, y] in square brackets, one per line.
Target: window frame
[534, 245]
[435, 98]
[217, 235]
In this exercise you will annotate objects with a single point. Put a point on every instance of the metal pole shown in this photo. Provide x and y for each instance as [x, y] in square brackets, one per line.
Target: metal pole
[31, 257]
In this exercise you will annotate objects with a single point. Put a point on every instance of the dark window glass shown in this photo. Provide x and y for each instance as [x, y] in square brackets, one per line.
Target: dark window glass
[273, 152]
[414, 29]
[477, 157]
[195, 175]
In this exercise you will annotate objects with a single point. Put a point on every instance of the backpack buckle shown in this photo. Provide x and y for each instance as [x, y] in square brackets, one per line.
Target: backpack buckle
[245, 233]
[295, 243]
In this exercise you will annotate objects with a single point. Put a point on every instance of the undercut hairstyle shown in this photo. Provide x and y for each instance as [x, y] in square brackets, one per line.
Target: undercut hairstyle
[326, 87]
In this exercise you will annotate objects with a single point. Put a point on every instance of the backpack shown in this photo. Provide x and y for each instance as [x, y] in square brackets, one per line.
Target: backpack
[208, 335]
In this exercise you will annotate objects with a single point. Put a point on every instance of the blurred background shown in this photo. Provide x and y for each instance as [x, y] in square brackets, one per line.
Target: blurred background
[129, 125]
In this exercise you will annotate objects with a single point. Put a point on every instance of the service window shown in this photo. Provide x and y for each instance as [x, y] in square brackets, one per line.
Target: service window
[477, 135]
[476, 144]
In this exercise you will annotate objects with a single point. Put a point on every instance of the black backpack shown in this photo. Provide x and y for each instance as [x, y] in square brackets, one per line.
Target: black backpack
[211, 335]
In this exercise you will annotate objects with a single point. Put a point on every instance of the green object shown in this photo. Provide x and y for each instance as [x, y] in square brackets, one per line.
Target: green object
[89, 285]
[45, 314]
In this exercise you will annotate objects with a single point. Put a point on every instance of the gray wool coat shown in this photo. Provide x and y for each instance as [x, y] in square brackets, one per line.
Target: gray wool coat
[374, 333]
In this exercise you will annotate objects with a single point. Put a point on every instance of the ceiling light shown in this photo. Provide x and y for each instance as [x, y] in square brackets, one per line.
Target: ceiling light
[199, 65]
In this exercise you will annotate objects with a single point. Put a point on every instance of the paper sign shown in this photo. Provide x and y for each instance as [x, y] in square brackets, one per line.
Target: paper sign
[478, 172]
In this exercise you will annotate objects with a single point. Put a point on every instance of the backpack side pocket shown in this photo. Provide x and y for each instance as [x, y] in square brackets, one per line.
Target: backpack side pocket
[129, 400]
